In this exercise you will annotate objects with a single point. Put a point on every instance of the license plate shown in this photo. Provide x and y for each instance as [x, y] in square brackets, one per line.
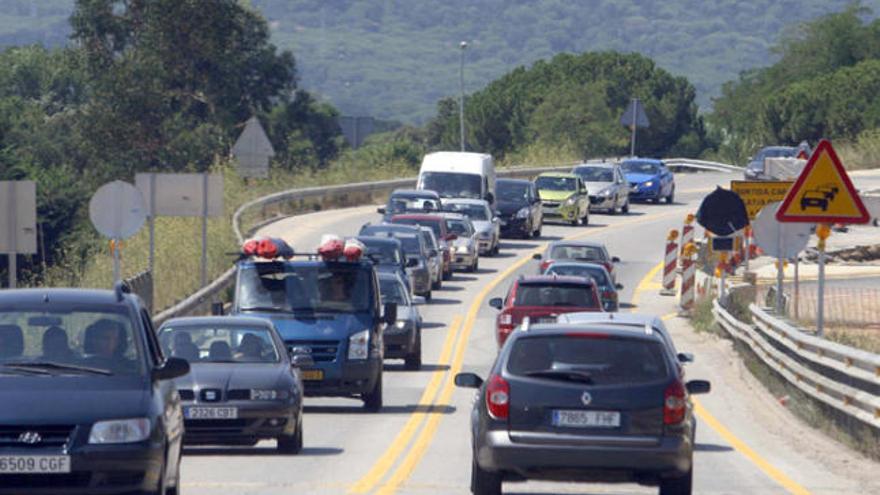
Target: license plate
[34, 464]
[586, 419]
[211, 412]
[313, 375]
[545, 319]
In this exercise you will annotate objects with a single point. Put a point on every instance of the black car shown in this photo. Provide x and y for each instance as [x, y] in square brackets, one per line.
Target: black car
[243, 386]
[519, 208]
[583, 402]
[403, 338]
[410, 201]
[88, 399]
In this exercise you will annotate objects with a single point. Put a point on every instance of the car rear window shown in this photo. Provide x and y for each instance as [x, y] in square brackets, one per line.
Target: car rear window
[432, 224]
[597, 273]
[593, 358]
[555, 295]
[564, 252]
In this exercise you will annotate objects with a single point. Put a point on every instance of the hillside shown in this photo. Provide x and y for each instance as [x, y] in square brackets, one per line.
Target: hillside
[395, 59]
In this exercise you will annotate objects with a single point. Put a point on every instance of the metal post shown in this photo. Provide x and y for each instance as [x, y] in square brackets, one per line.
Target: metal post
[12, 216]
[748, 243]
[780, 274]
[797, 286]
[204, 277]
[635, 118]
[114, 244]
[463, 45]
[820, 303]
[151, 263]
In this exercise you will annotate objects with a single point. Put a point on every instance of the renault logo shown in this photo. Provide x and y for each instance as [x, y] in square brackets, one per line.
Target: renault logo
[30, 438]
[586, 398]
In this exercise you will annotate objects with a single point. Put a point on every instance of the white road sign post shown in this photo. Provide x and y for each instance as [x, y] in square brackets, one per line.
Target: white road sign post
[634, 117]
[117, 211]
[18, 223]
[782, 240]
[253, 150]
[182, 195]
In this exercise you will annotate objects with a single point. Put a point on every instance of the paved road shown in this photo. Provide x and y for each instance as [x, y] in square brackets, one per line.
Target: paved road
[419, 443]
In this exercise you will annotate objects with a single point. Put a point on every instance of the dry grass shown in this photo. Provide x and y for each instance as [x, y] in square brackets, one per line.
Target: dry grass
[863, 153]
[867, 339]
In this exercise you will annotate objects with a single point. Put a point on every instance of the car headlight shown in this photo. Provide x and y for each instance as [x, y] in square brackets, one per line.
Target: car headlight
[571, 200]
[264, 394]
[523, 212]
[120, 431]
[359, 345]
[605, 192]
[648, 183]
[462, 249]
[401, 324]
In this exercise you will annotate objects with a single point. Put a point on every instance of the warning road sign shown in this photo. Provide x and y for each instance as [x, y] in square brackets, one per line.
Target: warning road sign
[823, 193]
[757, 194]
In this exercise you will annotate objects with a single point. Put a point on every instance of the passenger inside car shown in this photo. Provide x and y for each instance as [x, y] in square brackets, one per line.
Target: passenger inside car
[184, 347]
[11, 341]
[105, 344]
[56, 345]
[250, 349]
[219, 351]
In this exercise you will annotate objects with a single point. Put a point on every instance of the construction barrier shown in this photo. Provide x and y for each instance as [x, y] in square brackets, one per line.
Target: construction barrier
[688, 232]
[688, 277]
[669, 264]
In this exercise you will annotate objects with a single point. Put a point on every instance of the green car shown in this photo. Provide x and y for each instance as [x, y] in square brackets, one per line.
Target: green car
[564, 196]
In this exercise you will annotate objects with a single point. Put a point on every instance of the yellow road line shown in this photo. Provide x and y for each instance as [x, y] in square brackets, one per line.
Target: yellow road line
[774, 473]
[420, 446]
[740, 446]
[668, 316]
[384, 463]
[643, 285]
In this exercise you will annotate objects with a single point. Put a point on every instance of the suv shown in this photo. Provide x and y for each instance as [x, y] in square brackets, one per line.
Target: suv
[89, 402]
[329, 309]
[564, 196]
[438, 225]
[519, 208]
[543, 298]
[583, 402]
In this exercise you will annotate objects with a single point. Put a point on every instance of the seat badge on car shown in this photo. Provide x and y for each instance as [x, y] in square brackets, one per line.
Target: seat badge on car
[586, 398]
[30, 438]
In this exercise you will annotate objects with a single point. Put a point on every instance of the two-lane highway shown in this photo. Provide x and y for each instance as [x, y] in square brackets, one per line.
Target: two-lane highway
[420, 441]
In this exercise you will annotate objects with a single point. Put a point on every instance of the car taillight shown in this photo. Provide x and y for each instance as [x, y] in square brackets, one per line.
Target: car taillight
[609, 295]
[674, 404]
[498, 397]
[545, 264]
[505, 319]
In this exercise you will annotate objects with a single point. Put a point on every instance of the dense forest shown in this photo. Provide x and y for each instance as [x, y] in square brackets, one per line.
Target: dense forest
[394, 59]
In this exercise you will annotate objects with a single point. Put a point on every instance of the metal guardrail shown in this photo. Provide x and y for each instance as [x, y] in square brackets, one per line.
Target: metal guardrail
[845, 378]
[701, 165]
[282, 204]
[142, 285]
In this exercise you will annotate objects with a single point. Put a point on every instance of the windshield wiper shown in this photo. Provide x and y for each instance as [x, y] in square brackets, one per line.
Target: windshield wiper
[51, 366]
[568, 375]
[268, 309]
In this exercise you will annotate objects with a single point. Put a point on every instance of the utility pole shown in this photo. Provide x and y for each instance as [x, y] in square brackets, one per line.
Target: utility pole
[463, 45]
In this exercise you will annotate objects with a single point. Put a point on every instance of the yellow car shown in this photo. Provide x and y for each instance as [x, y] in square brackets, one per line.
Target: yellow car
[564, 196]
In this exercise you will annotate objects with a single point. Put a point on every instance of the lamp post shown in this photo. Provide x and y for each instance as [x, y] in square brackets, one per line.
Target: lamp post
[463, 45]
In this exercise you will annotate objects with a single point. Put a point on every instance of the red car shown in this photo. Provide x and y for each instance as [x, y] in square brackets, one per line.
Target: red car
[543, 297]
[438, 224]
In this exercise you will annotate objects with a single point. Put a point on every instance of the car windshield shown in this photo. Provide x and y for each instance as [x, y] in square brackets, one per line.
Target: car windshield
[219, 343]
[433, 224]
[595, 174]
[597, 359]
[92, 337]
[516, 193]
[550, 294]
[474, 212]
[461, 228]
[405, 204]
[640, 168]
[392, 291]
[453, 185]
[583, 253]
[383, 253]
[332, 287]
[597, 273]
[556, 183]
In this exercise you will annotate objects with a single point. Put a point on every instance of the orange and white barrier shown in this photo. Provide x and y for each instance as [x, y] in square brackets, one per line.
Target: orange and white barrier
[688, 232]
[669, 264]
[688, 277]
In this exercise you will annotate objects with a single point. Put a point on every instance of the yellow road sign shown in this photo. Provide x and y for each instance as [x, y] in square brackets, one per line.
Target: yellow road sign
[757, 194]
[823, 193]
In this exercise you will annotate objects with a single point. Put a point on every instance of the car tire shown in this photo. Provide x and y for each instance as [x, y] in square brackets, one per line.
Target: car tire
[373, 399]
[484, 482]
[292, 444]
[576, 220]
[437, 284]
[671, 198]
[586, 220]
[682, 485]
[447, 275]
[427, 296]
[413, 361]
[537, 233]
[625, 208]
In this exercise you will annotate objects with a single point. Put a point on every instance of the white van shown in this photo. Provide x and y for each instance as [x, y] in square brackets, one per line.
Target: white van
[455, 174]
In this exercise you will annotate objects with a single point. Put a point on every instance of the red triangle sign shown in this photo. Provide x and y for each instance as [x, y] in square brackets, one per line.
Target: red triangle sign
[823, 193]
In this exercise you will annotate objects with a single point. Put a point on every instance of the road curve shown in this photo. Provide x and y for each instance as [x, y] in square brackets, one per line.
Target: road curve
[420, 442]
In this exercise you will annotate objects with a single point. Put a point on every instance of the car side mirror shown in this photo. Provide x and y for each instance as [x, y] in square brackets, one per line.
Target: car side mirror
[615, 259]
[390, 313]
[536, 256]
[496, 302]
[411, 262]
[618, 286]
[173, 368]
[695, 387]
[685, 357]
[302, 360]
[468, 380]
[381, 210]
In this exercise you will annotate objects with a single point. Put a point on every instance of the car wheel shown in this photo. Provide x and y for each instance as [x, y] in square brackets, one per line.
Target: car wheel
[678, 486]
[484, 482]
[373, 399]
[671, 198]
[414, 360]
[437, 284]
[497, 247]
[577, 219]
[625, 208]
[292, 444]
[427, 296]
[447, 275]
[537, 232]
[586, 220]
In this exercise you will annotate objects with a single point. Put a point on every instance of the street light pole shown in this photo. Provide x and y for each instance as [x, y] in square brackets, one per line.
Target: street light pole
[463, 45]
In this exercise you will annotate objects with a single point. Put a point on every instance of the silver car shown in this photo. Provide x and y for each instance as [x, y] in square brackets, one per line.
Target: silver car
[435, 257]
[486, 224]
[465, 253]
[606, 186]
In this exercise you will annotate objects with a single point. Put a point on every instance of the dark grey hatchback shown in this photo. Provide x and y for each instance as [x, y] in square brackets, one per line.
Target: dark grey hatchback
[88, 401]
[587, 403]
